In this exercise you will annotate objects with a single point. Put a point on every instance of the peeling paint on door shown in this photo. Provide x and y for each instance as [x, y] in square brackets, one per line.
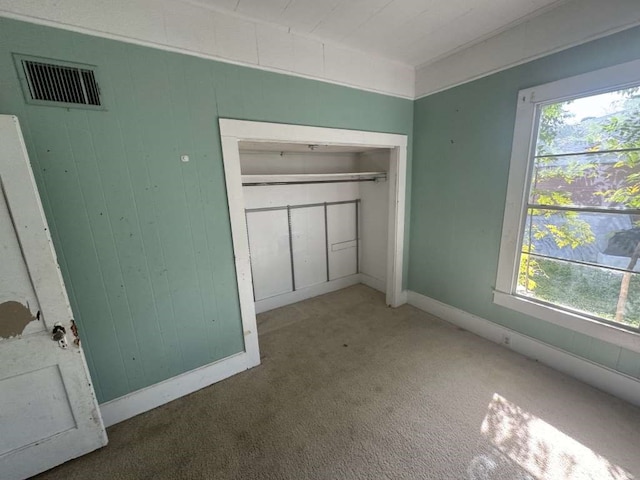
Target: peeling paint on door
[14, 317]
[74, 330]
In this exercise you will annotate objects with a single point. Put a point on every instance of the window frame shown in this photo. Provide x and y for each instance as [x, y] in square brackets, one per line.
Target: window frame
[525, 134]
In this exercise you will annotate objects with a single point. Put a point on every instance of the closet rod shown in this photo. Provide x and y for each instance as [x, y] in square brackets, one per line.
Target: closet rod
[306, 182]
[306, 205]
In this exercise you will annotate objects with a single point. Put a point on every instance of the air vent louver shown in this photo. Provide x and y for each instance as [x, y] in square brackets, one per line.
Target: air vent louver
[49, 82]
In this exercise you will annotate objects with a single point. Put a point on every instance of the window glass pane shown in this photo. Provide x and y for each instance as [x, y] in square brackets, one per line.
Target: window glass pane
[606, 239]
[598, 292]
[587, 157]
[599, 122]
[604, 180]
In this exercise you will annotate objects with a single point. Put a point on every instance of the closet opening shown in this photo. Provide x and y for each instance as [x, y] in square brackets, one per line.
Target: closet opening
[312, 210]
[317, 218]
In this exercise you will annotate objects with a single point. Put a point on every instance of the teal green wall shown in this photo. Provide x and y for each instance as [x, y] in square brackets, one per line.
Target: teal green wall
[144, 240]
[461, 151]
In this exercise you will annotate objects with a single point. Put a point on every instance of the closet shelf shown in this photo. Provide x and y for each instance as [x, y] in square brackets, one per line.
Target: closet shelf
[300, 178]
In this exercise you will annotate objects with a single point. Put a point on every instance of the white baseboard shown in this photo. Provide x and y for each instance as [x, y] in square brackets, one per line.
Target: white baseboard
[293, 297]
[605, 379]
[373, 282]
[403, 298]
[148, 398]
[145, 399]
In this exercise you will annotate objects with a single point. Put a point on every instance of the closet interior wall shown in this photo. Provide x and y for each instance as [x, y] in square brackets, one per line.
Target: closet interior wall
[316, 236]
[374, 220]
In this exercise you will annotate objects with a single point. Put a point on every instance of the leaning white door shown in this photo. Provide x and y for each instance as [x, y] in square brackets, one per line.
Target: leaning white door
[48, 409]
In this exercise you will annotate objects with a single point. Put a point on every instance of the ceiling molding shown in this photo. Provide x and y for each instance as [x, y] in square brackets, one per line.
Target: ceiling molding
[185, 26]
[195, 30]
[570, 24]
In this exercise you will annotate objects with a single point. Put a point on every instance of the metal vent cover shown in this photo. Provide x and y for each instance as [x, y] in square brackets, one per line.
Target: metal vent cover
[57, 83]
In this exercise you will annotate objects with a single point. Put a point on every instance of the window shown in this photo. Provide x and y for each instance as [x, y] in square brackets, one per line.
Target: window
[570, 250]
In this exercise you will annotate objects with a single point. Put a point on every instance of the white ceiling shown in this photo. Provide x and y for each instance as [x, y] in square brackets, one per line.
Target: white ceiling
[414, 32]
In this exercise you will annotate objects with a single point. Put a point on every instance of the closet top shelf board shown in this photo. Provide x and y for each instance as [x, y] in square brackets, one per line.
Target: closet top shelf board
[279, 179]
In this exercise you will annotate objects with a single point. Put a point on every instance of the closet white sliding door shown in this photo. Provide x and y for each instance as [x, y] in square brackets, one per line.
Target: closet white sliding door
[342, 238]
[270, 257]
[298, 246]
[309, 250]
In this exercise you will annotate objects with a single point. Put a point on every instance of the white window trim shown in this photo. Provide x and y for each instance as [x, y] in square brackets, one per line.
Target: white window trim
[525, 132]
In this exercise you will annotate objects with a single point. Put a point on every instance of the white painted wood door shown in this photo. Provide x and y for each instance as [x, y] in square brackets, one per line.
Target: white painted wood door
[48, 409]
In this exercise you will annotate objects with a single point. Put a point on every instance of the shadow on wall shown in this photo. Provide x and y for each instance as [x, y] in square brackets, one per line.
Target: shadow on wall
[521, 446]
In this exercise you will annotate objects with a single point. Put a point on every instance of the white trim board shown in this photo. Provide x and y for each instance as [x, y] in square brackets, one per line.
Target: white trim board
[605, 379]
[145, 399]
[283, 133]
[570, 24]
[148, 398]
[522, 152]
[202, 31]
[232, 132]
[377, 284]
[193, 29]
[278, 301]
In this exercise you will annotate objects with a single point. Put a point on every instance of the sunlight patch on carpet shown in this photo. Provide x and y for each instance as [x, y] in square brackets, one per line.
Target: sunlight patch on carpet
[537, 448]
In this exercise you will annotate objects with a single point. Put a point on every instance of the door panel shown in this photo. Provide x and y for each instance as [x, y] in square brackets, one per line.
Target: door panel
[24, 404]
[48, 409]
[341, 231]
[19, 316]
[309, 250]
[270, 257]
[268, 232]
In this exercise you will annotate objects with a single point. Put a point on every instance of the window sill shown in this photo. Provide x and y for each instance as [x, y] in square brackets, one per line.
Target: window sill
[602, 331]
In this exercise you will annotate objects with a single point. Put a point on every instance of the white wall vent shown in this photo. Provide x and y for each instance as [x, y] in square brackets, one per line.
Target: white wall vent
[57, 83]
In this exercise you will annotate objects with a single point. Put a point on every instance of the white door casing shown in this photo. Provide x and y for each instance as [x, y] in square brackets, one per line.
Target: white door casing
[48, 410]
[234, 131]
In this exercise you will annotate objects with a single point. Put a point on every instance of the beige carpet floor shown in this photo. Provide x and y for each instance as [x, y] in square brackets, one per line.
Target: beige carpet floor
[351, 389]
